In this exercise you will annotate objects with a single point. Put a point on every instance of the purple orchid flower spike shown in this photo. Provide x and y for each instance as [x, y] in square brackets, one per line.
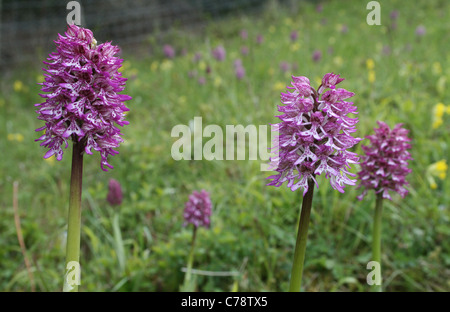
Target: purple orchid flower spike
[384, 166]
[83, 103]
[315, 135]
[197, 209]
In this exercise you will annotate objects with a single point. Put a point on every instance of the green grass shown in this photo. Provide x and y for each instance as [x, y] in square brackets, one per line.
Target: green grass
[142, 246]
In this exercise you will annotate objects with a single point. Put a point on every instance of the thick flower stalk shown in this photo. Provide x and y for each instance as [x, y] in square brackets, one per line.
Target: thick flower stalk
[384, 166]
[197, 212]
[315, 135]
[314, 138]
[82, 100]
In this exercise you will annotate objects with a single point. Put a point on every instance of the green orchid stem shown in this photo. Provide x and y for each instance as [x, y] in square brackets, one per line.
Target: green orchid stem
[187, 277]
[376, 243]
[72, 267]
[302, 236]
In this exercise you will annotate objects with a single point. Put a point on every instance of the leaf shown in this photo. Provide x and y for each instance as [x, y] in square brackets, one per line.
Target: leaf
[118, 243]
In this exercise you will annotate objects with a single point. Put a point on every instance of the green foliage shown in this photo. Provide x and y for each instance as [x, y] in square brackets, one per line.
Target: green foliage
[142, 246]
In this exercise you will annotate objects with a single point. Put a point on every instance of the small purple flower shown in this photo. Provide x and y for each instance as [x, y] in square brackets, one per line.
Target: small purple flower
[83, 103]
[169, 51]
[240, 72]
[314, 135]
[393, 15]
[384, 166]
[115, 195]
[319, 8]
[421, 31]
[259, 39]
[317, 55]
[284, 66]
[344, 29]
[239, 69]
[294, 35]
[244, 50]
[219, 53]
[201, 81]
[197, 209]
[244, 34]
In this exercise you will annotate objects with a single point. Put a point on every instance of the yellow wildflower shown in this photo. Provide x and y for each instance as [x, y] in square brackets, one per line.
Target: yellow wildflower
[18, 86]
[295, 47]
[439, 169]
[439, 110]
[279, 86]
[154, 66]
[15, 137]
[370, 64]
[217, 81]
[437, 68]
[337, 60]
[202, 65]
[166, 65]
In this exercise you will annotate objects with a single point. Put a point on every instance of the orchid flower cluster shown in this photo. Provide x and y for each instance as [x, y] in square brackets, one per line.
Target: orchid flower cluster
[384, 166]
[197, 209]
[315, 135]
[82, 100]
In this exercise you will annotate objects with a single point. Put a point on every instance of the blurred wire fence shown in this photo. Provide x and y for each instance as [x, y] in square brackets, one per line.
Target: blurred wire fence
[28, 27]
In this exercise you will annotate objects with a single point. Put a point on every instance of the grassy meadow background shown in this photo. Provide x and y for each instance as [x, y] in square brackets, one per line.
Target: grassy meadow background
[397, 75]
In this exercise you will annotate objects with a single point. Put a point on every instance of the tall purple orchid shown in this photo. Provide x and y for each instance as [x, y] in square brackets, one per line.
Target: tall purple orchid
[197, 211]
[83, 105]
[384, 168]
[314, 139]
